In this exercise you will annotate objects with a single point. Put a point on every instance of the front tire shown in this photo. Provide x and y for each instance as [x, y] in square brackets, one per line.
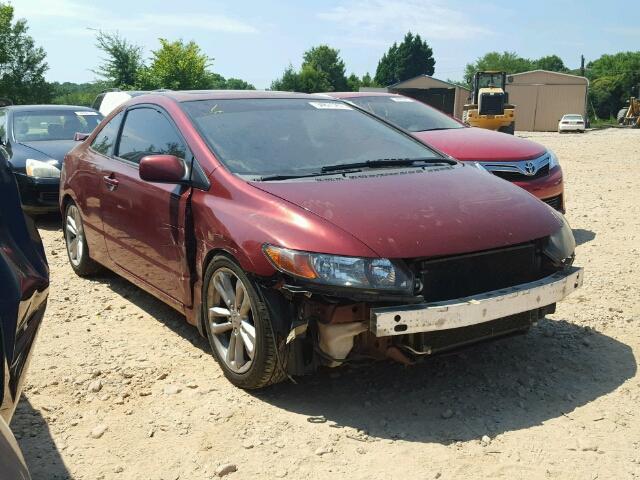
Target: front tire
[76, 242]
[239, 328]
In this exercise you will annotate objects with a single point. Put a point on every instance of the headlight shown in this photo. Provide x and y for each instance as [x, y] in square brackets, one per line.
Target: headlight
[561, 244]
[38, 168]
[553, 160]
[353, 272]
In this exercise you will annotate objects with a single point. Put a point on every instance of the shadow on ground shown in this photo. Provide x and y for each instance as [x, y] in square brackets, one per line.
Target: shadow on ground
[50, 222]
[583, 236]
[40, 452]
[155, 308]
[501, 386]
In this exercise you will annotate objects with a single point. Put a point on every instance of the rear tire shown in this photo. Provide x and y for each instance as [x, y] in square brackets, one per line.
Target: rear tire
[509, 129]
[621, 114]
[76, 242]
[239, 327]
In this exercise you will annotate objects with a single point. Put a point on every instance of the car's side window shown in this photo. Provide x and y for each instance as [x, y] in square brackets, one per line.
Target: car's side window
[106, 138]
[146, 131]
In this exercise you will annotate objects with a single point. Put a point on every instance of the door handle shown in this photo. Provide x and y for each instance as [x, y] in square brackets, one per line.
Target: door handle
[110, 182]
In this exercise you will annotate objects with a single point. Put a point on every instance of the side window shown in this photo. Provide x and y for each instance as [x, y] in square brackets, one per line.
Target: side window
[3, 129]
[106, 138]
[146, 132]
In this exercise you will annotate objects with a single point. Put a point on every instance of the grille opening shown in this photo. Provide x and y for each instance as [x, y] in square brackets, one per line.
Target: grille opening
[463, 275]
[519, 177]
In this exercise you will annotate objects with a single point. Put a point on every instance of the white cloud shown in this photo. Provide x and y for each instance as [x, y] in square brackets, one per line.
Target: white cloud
[391, 18]
[87, 16]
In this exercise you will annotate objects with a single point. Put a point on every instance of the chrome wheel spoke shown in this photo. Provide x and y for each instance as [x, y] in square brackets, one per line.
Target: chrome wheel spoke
[71, 226]
[216, 312]
[218, 328]
[248, 335]
[245, 306]
[239, 354]
[223, 285]
[231, 350]
[240, 295]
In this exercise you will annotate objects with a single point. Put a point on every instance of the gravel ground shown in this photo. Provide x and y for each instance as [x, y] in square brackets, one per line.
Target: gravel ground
[121, 388]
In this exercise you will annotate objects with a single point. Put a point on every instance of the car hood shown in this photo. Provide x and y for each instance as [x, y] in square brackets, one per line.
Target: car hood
[481, 144]
[423, 213]
[55, 149]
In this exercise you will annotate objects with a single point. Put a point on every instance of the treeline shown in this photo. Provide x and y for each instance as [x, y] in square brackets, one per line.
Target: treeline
[180, 65]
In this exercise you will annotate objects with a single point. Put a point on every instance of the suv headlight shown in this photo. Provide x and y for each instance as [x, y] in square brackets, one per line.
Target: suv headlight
[561, 244]
[335, 270]
[40, 169]
[553, 159]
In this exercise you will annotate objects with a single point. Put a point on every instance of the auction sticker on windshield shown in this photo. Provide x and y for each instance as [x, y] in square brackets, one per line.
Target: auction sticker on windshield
[401, 99]
[330, 106]
[86, 114]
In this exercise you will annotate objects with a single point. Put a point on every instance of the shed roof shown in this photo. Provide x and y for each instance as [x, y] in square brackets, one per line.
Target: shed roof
[545, 77]
[424, 81]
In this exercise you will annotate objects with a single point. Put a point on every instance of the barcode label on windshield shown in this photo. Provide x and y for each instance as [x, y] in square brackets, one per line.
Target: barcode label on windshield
[401, 99]
[86, 114]
[330, 106]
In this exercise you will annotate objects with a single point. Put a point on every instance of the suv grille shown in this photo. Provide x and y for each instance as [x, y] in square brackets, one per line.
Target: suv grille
[460, 276]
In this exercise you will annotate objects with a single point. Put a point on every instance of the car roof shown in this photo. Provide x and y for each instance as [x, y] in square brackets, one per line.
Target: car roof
[190, 95]
[361, 94]
[30, 108]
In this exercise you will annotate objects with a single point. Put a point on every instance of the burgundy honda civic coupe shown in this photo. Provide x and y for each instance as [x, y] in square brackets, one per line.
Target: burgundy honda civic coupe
[523, 162]
[297, 231]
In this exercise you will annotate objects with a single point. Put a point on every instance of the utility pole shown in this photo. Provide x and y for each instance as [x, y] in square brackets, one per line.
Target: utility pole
[582, 65]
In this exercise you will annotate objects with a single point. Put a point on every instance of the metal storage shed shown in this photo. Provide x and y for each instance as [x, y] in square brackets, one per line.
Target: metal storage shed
[444, 96]
[542, 98]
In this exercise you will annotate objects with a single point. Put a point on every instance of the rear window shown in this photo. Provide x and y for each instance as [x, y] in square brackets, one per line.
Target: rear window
[295, 136]
[32, 126]
[407, 113]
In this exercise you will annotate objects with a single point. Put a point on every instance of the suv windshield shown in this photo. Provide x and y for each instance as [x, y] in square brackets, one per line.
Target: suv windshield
[31, 126]
[271, 136]
[406, 113]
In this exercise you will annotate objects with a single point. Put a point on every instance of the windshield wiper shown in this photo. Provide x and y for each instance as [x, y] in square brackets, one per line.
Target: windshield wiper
[287, 177]
[387, 162]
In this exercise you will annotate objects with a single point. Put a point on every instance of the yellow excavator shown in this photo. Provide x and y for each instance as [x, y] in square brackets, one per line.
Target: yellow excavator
[490, 107]
[630, 116]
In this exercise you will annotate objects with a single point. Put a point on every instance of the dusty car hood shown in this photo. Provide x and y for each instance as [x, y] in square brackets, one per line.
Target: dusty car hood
[481, 144]
[420, 213]
[55, 149]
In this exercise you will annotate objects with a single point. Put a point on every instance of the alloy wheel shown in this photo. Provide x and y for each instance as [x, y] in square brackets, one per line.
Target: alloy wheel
[74, 235]
[231, 320]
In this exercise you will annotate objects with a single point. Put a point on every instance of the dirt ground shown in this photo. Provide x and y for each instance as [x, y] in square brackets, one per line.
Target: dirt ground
[121, 388]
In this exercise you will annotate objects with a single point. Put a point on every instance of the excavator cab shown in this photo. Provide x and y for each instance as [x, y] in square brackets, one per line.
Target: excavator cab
[489, 107]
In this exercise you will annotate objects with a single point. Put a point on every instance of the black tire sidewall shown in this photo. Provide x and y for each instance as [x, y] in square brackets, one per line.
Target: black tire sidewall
[86, 266]
[255, 376]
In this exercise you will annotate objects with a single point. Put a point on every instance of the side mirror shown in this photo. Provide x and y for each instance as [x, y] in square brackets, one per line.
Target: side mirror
[80, 137]
[162, 169]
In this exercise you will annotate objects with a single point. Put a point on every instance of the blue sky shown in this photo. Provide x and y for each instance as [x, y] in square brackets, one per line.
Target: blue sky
[255, 40]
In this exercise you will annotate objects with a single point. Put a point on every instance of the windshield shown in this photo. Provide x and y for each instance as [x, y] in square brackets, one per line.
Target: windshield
[34, 126]
[406, 113]
[487, 80]
[271, 136]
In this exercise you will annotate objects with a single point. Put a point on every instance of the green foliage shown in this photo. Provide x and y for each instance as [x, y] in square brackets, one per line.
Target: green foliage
[22, 64]
[409, 59]
[353, 83]
[367, 81]
[327, 61]
[237, 84]
[122, 63]
[553, 63]
[509, 62]
[178, 66]
[69, 93]
[308, 80]
[614, 78]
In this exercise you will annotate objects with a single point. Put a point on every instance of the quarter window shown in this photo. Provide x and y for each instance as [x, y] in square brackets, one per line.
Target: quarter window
[106, 138]
[148, 132]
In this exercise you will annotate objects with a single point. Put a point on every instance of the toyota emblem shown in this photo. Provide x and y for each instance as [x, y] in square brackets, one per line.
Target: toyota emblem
[529, 168]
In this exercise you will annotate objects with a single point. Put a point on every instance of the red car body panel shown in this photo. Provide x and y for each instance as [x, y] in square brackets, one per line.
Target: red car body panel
[477, 144]
[139, 229]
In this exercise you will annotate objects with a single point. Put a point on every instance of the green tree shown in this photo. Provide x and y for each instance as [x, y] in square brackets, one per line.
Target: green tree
[367, 81]
[123, 61]
[326, 60]
[69, 93]
[412, 57]
[237, 84]
[553, 63]
[177, 65]
[509, 62]
[353, 83]
[614, 78]
[22, 64]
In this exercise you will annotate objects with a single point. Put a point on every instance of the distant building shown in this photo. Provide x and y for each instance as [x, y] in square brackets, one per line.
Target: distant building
[542, 98]
[445, 96]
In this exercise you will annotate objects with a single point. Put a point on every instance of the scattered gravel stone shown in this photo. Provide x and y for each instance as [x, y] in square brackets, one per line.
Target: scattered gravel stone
[98, 431]
[226, 469]
[323, 451]
[95, 386]
[171, 389]
[486, 440]
[448, 413]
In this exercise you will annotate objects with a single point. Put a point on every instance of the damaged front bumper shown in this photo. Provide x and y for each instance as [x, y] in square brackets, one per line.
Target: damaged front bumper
[476, 309]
